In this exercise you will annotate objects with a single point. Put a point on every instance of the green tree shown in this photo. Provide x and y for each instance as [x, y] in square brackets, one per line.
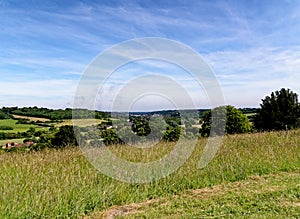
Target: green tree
[64, 137]
[172, 133]
[110, 137]
[236, 121]
[140, 125]
[278, 111]
[3, 115]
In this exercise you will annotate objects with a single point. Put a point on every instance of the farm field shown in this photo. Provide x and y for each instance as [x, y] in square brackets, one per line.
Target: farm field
[18, 127]
[80, 122]
[30, 118]
[252, 175]
[26, 127]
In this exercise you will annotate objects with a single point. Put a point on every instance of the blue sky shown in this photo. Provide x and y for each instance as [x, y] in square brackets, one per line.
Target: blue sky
[253, 47]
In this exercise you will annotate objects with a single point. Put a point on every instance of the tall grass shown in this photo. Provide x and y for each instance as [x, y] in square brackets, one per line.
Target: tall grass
[62, 183]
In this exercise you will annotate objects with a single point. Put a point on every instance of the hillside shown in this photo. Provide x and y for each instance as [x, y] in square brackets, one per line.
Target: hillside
[252, 175]
[265, 196]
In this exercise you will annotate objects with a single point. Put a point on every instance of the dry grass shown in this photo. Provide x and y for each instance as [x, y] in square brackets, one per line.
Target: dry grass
[80, 122]
[30, 118]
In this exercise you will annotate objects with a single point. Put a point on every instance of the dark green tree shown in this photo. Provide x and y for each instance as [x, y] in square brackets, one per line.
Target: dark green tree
[64, 137]
[140, 125]
[233, 120]
[172, 133]
[110, 137]
[3, 115]
[278, 111]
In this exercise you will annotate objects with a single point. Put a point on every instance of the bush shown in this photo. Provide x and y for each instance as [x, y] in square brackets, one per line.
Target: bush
[39, 146]
[110, 137]
[3, 115]
[4, 127]
[172, 133]
[23, 121]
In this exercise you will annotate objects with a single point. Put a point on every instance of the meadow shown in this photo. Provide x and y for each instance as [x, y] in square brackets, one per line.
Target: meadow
[18, 127]
[252, 175]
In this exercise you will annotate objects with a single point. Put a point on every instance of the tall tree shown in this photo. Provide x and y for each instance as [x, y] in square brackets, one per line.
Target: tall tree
[278, 111]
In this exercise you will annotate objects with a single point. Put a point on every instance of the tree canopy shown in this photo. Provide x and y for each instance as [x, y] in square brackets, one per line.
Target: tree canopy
[54, 114]
[236, 121]
[64, 137]
[278, 111]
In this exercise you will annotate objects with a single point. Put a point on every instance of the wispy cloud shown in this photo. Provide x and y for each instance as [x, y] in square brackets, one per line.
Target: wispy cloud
[252, 46]
[54, 93]
[256, 72]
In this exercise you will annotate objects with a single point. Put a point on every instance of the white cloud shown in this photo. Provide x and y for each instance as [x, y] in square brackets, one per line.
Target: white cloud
[253, 47]
[57, 93]
[247, 76]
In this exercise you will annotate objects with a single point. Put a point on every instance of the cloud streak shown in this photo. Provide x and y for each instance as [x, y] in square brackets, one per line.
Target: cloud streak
[253, 47]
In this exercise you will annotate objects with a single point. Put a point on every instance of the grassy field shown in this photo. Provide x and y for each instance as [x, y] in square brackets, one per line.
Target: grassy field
[17, 127]
[252, 176]
[25, 127]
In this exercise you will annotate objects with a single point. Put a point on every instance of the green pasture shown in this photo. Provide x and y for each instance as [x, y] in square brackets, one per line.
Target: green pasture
[17, 127]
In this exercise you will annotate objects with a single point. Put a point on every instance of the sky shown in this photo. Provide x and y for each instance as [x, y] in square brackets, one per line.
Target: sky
[252, 47]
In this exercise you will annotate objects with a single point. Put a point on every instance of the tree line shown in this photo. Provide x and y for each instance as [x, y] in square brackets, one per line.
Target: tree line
[279, 111]
[53, 114]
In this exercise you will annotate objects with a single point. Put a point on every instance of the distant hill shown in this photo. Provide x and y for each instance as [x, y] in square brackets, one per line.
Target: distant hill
[68, 113]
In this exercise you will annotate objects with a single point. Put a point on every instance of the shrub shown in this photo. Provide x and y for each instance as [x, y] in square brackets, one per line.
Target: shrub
[5, 127]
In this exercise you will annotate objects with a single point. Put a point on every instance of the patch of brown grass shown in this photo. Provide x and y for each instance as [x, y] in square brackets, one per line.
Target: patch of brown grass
[33, 119]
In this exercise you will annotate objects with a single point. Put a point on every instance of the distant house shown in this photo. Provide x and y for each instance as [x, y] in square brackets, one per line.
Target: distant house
[28, 143]
[9, 145]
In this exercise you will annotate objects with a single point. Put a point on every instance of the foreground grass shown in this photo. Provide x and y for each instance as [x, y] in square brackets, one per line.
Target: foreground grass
[61, 183]
[268, 196]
